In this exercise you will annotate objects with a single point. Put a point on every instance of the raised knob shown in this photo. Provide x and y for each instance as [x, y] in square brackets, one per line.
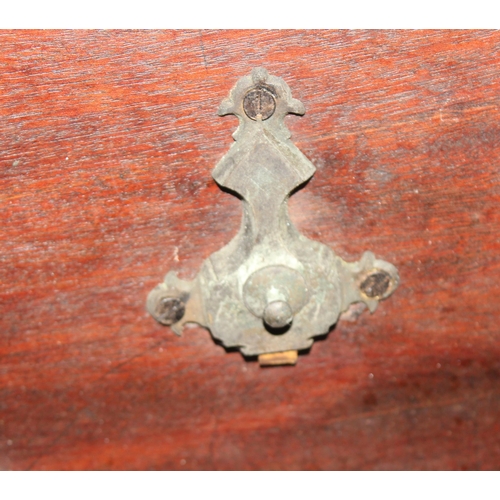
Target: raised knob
[278, 314]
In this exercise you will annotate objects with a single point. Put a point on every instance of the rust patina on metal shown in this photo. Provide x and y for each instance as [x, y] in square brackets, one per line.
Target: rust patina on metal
[271, 290]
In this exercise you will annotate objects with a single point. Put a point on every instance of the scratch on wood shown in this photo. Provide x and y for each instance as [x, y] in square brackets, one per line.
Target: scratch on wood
[202, 45]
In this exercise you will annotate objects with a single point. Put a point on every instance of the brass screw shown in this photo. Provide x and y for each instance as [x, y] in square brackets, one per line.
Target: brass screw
[259, 101]
[376, 284]
[169, 310]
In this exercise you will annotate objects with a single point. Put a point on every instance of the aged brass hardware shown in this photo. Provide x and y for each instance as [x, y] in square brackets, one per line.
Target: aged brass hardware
[271, 290]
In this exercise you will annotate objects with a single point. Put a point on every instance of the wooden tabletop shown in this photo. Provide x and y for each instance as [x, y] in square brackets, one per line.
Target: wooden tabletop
[107, 143]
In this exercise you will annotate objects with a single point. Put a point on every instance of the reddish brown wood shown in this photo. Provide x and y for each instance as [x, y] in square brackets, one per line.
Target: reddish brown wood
[108, 139]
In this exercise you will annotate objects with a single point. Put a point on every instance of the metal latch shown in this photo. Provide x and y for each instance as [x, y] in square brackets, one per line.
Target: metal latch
[271, 290]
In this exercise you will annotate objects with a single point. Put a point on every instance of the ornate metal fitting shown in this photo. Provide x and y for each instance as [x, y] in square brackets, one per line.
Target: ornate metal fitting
[271, 290]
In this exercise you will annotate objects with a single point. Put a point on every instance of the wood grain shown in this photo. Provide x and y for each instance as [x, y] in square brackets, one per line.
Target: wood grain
[107, 142]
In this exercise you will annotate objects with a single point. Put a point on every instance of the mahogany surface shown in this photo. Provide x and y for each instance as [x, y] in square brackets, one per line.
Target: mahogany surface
[107, 143]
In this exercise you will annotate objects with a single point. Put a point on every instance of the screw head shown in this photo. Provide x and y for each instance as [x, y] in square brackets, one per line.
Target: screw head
[278, 314]
[376, 284]
[259, 101]
[169, 310]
